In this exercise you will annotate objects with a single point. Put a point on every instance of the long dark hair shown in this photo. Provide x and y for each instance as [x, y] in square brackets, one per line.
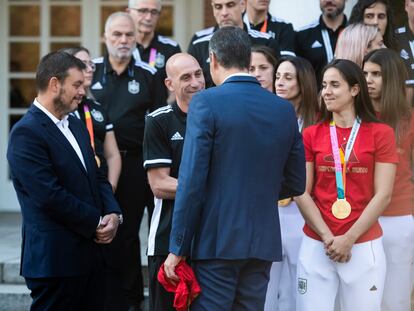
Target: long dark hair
[268, 53]
[394, 108]
[357, 16]
[308, 108]
[353, 75]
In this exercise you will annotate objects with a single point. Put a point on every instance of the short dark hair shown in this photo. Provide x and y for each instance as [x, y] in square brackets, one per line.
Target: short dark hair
[232, 47]
[75, 50]
[357, 16]
[353, 75]
[55, 64]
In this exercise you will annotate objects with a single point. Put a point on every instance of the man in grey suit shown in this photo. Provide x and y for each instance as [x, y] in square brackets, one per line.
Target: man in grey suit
[242, 153]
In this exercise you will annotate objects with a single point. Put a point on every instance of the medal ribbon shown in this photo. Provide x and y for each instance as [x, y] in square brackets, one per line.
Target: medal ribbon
[339, 158]
[153, 56]
[89, 125]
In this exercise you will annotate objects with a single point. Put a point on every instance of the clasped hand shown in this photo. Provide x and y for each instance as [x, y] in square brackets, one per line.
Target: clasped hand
[338, 248]
[106, 231]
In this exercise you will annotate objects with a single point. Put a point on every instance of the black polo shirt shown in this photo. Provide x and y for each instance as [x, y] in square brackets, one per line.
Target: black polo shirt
[163, 147]
[279, 30]
[199, 47]
[127, 98]
[162, 48]
[101, 125]
[316, 42]
[405, 39]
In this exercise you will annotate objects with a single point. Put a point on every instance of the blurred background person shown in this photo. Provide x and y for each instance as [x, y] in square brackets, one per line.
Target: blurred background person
[378, 13]
[152, 47]
[356, 40]
[317, 41]
[350, 164]
[257, 17]
[262, 66]
[296, 82]
[386, 75]
[102, 131]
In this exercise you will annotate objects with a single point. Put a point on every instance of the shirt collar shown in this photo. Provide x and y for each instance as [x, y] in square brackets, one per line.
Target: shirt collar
[238, 74]
[109, 68]
[323, 25]
[64, 122]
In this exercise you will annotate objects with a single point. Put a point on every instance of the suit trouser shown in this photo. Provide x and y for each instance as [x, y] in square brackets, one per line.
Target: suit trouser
[231, 285]
[80, 293]
[123, 255]
[398, 242]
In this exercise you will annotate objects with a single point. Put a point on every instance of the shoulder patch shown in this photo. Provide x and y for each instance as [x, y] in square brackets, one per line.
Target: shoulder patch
[309, 26]
[144, 65]
[203, 39]
[166, 40]
[401, 30]
[205, 32]
[98, 60]
[164, 109]
[258, 34]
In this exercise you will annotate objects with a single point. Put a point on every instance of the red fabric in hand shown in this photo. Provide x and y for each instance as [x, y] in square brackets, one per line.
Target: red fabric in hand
[186, 290]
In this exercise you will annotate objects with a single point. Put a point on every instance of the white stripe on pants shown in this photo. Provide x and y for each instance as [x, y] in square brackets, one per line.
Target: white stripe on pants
[359, 283]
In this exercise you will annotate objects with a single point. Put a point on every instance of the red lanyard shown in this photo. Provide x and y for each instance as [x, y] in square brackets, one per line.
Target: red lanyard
[264, 26]
[89, 125]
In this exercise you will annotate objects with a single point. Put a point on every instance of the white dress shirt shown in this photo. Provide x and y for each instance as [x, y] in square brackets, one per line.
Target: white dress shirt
[63, 126]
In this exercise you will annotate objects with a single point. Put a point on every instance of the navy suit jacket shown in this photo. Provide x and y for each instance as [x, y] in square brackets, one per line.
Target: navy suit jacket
[242, 152]
[61, 202]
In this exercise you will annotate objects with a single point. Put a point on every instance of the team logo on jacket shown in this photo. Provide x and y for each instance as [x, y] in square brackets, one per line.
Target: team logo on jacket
[97, 115]
[159, 60]
[302, 286]
[133, 87]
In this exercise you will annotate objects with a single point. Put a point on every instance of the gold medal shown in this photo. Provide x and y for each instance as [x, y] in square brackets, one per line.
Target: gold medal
[98, 162]
[284, 202]
[341, 209]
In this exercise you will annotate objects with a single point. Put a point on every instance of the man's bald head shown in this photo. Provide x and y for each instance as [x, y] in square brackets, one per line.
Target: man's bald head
[184, 77]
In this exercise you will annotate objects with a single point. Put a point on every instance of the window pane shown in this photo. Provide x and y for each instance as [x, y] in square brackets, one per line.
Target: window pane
[65, 20]
[108, 10]
[22, 92]
[13, 120]
[24, 56]
[24, 20]
[55, 46]
[165, 22]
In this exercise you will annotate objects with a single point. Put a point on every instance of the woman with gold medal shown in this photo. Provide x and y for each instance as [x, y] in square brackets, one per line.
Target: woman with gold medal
[350, 167]
[99, 127]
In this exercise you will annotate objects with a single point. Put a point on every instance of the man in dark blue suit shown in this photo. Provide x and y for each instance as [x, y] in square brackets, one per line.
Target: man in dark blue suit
[68, 207]
[242, 153]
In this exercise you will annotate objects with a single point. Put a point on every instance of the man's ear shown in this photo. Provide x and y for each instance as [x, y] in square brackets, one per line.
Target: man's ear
[213, 60]
[168, 84]
[54, 85]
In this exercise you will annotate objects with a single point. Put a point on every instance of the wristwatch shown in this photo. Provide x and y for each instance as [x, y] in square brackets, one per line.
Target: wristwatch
[120, 219]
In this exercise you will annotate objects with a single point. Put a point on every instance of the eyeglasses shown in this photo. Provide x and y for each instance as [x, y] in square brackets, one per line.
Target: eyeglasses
[153, 12]
[90, 64]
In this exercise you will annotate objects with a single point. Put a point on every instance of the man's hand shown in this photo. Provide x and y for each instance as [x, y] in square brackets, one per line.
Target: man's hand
[106, 231]
[169, 267]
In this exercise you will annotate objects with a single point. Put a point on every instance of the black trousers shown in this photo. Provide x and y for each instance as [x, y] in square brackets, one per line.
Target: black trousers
[80, 293]
[159, 298]
[123, 256]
